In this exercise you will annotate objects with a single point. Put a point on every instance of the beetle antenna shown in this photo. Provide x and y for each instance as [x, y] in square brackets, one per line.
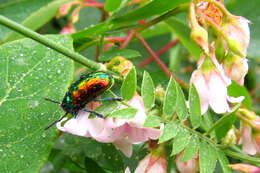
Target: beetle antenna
[46, 128]
[53, 101]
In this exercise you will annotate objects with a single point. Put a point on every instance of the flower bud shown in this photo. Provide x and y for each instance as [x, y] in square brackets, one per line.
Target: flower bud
[64, 9]
[237, 34]
[159, 92]
[120, 64]
[75, 15]
[190, 166]
[198, 33]
[243, 167]
[230, 138]
[235, 68]
[68, 29]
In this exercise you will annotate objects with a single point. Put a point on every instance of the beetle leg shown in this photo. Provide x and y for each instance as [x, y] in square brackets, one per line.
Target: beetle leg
[93, 112]
[110, 99]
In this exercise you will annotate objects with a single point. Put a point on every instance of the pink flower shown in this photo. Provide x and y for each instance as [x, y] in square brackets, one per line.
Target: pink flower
[211, 84]
[190, 166]
[121, 132]
[152, 164]
[250, 142]
[243, 167]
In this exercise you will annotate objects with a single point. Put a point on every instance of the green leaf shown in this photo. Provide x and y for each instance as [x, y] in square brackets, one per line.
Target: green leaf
[180, 141]
[156, 7]
[181, 108]
[169, 131]
[223, 160]
[106, 155]
[37, 14]
[182, 31]
[129, 85]
[195, 110]
[92, 166]
[126, 113]
[191, 149]
[224, 125]
[95, 30]
[207, 158]
[236, 90]
[169, 103]
[30, 72]
[152, 121]
[112, 5]
[147, 91]
[126, 53]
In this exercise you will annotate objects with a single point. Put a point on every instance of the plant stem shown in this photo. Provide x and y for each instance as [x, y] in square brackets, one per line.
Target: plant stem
[243, 157]
[161, 51]
[47, 42]
[159, 62]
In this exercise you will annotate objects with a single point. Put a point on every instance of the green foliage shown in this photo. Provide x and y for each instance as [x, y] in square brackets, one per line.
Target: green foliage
[126, 53]
[112, 5]
[129, 85]
[181, 107]
[152, 121]
[147, 91]
[38, 14]
[207, 158]
[169, 104]
[194, 104]
[30, 72]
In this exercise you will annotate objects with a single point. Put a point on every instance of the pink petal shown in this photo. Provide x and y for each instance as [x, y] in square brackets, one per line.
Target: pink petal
[202, 89]
[218, 94]
[125, 146]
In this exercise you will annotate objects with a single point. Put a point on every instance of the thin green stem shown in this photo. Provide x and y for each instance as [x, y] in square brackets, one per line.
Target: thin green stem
[241, 156]
[47, 42]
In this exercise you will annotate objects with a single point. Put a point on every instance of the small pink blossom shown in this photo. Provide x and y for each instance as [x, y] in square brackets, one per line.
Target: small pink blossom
[250, 142]
[190, 166]
[121, 132]
[152, 164]
[211, 84]
[243, 167]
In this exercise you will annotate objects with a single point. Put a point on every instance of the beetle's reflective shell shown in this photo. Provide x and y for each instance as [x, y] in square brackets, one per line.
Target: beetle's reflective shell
[84, 90]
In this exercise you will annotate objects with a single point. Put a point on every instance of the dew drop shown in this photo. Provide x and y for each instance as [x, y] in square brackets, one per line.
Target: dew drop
[21, 156]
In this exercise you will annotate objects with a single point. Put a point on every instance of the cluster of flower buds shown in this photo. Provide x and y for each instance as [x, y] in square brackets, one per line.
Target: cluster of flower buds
[224, 52]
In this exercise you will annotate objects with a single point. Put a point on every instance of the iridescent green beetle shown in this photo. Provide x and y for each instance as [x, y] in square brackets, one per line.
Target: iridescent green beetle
[83, 91]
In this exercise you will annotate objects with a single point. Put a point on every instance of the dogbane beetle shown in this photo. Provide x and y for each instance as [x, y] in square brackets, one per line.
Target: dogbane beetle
[83, 91]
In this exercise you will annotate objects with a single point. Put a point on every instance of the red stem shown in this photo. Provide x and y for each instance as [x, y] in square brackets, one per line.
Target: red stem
[114, 39]
[161, 51]
[159, 62]
[127, 39]
[94, 4]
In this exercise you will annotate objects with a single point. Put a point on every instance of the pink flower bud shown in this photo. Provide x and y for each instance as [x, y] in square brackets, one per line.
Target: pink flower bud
[235, 68]
[237, 34]
[190, 166]
[198, 33]
[243, 167]
[64, 9]
[68, 29]
[152, 164]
